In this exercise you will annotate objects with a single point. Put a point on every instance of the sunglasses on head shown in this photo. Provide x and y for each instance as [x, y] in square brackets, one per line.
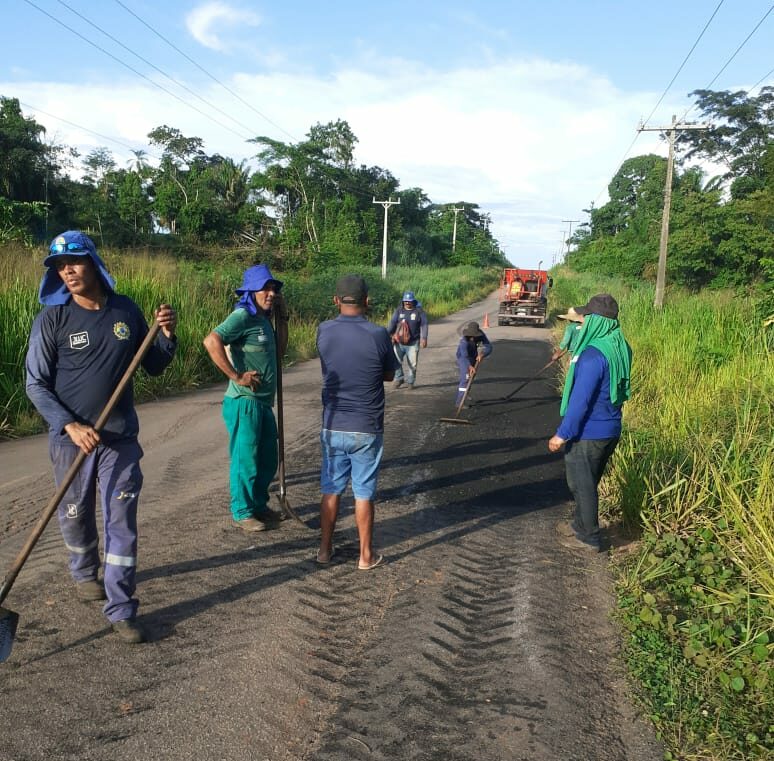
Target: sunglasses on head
[64, 248]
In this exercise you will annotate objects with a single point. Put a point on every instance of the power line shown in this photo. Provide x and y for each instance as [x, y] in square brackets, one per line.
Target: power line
[84, 129]
[690, 52]
[735, 53]
[762, 79]
[132, 69]
[202, 69]
[181, 85]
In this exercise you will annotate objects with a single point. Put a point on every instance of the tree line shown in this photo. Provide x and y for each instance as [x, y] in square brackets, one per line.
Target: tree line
[307, 205]
[721, 227]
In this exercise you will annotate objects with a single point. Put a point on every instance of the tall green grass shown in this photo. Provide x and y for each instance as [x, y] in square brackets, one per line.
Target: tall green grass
[694, 473]
[203, 296]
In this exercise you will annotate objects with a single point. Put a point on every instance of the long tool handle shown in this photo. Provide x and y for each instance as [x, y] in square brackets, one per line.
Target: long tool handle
[467, 387]
[280, 414]
[51, 507]
[529, 380]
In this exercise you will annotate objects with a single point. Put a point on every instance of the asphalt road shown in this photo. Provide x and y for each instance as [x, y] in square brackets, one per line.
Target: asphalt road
[481, 638]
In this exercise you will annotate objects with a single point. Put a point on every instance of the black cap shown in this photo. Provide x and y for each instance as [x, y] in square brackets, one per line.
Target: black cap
[352, 289]
[602, 304]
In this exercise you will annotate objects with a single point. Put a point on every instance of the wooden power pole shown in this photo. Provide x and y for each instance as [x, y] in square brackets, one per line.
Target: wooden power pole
[454, 234]
[671, 133]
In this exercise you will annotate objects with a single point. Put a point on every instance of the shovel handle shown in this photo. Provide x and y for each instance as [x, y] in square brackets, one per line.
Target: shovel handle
[53, 503]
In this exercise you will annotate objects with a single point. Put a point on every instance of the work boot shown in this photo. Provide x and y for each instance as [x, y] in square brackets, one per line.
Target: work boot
[91, 590]
[130, 631]
[573, 543]
[250, 524]
[410, 386]
[398, 383]
[270, 516]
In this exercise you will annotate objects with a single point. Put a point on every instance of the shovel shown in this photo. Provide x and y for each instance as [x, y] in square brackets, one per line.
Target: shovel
[8, 619]
[282, 496]
[457, 418]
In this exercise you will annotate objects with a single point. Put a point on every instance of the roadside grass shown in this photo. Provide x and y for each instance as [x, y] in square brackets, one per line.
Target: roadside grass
[203, 296]
[694, 476]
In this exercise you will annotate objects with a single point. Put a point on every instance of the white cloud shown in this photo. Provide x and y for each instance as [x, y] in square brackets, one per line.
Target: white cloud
[204, 22]
[532, 142]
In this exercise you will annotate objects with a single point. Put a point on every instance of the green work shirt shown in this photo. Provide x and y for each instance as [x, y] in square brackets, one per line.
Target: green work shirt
[251, 341]
[570, 337]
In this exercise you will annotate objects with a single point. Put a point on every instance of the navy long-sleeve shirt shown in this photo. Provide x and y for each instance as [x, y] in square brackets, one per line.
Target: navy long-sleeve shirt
[77, 356]
[415, 318]
[468, 350]
[590, 414]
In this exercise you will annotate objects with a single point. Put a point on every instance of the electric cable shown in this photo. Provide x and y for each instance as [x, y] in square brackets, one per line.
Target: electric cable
[135, 71]
[181, 85]
[202, 69]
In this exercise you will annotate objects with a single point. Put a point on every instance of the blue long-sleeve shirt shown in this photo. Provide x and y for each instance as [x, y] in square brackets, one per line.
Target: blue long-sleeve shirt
[468, 350]
[590, 413]
[415, 318]
[77, 356]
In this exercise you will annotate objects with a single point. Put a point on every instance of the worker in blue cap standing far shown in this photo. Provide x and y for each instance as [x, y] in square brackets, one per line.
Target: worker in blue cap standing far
[408, 328]
[248, 412]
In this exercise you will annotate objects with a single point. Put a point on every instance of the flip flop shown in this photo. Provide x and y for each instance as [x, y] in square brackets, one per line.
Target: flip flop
[325, 562]
[376, 562]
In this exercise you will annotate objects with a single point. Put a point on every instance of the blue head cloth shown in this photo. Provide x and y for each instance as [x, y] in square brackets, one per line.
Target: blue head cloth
[254, 279]
[52, 290]
[409, 296]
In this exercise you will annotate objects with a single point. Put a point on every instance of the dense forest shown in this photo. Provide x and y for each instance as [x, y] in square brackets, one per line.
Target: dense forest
[306, 206]
[722, 227]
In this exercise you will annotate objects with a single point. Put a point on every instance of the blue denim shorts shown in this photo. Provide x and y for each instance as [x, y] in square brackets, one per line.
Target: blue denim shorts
[347, 454]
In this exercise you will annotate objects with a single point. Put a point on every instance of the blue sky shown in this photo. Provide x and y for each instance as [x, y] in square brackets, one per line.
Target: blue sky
[526, 108]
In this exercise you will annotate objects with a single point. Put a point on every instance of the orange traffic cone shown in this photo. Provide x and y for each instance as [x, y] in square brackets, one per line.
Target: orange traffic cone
[486, 320]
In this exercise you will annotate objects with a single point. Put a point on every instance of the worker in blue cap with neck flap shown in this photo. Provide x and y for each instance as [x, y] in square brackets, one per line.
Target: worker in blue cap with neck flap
[408, 328]
[251, 368]
[80, 346]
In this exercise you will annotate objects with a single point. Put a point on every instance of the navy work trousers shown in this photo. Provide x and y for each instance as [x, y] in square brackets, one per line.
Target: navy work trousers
[115, 469]
[584, 463]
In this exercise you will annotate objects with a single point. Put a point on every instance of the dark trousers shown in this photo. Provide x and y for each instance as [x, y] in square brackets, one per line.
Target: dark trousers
[584, 462]
[115, 469]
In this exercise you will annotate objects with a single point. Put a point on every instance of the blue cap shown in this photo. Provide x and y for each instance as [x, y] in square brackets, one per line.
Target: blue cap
[409, 296]
[52, 289]
[256, 279]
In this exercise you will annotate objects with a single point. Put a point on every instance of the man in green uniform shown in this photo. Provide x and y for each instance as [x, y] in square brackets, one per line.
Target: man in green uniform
[247, 405]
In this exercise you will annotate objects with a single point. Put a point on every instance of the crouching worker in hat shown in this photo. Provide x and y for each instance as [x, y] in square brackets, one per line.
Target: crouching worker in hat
[80, 346]
[408, 328]
[248, 404]
[471, 350]
[356, 359]
[596, 386]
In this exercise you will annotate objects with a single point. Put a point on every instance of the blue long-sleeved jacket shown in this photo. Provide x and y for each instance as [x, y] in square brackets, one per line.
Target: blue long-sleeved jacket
[468, 350]
[590, 413]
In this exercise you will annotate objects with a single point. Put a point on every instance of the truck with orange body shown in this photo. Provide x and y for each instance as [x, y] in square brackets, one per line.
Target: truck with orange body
[524, 296]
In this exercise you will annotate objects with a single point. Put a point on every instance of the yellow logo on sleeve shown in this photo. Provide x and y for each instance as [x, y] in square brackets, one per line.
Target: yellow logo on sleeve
[121, 331]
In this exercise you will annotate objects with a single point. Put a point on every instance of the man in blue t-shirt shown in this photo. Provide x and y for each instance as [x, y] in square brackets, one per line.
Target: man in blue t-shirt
[356, 357]
[80, 346]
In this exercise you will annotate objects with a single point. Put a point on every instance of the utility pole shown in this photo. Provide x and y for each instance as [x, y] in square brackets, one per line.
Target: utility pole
[454, 234]
[386, 205]
[670, 131]
[569, 232]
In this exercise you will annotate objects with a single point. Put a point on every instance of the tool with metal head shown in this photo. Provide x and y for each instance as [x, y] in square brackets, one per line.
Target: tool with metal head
[9, 620]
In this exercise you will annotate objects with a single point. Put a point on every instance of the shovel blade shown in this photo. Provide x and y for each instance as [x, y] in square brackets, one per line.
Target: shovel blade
[288, 510]
[8, 623]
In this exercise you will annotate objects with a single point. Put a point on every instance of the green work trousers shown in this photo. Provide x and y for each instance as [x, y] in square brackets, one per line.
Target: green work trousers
[252, 446]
